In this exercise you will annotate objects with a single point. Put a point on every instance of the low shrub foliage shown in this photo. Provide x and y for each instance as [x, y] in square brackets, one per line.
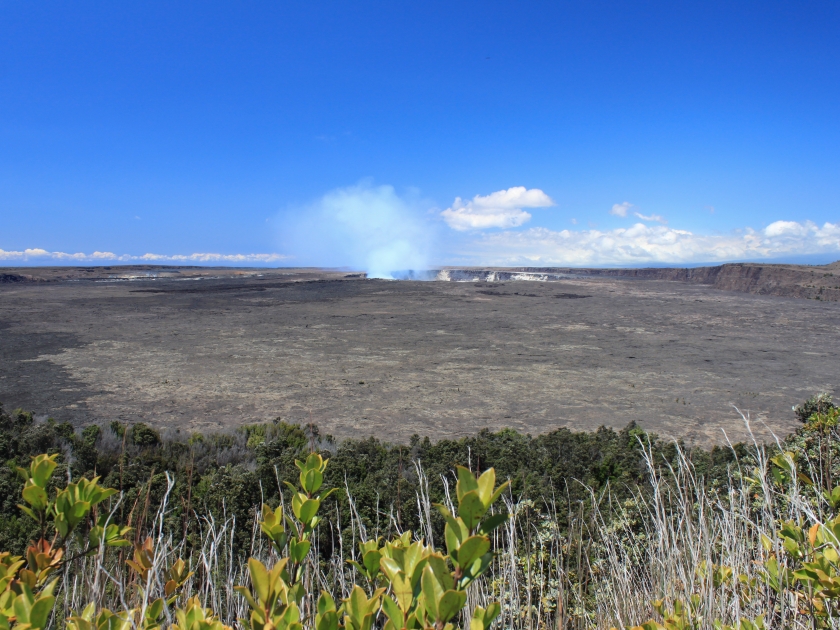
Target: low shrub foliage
[230, 474]
[276, 526]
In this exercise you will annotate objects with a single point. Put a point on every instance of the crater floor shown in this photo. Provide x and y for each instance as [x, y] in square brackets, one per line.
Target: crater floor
[443, 359]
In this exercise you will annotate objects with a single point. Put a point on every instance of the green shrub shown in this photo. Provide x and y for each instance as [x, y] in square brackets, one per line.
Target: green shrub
[421, 586]
[144, 436]
[819, 404]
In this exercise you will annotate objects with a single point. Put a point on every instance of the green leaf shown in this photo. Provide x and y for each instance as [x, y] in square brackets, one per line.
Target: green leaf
[792, 547]
[457, 525]
[492, 612]
[297, 591]
[491, 523]
[471, 549]
[308, 510]
[62, 525]
[450, 604]
[833, 497]
[393, 612]
[292, 614]
[431, 591]
[440, 570]
[371, 560]
[471, 509]
[304, 508]
[311, 480]
[452, 540]
[327, 621]
[475, 569]
[155, 610]
[28, 512]
[466, 482]
[356, 606]
[298, 549]
[498, 493]
[104, 493]
[42, 468]
[40, 613]
[325, 603]
[402, 590]
[259, 578]
[481, 618]
[486, 483]
[315, 462]
[297, 501]
[36, 496]
[49, 589]
[78, 511]
[389, 567]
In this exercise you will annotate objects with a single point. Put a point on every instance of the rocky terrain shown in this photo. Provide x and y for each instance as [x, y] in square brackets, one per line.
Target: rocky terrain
[800, 281]
[206, 349]
[143, 273]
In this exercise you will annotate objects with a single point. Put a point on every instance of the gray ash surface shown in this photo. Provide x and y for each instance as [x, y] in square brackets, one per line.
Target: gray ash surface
[443, 359]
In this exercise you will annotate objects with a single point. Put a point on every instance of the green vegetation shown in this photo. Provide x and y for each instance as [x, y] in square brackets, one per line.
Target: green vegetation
[411, 584]
[124, 527]
[227, 474]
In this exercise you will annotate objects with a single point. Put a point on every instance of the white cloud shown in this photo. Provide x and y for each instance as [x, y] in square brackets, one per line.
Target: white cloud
[643, 244]
[501, 209]
[786, 228]
[620, 209]
[226, 258]
[653, 217]
[41, 255]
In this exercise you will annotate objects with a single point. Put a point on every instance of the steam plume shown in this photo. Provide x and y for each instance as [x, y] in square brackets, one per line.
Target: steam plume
[364, 227]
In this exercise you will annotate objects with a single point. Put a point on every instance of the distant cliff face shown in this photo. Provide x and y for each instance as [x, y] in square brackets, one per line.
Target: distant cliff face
[817, 283]
[800, 281]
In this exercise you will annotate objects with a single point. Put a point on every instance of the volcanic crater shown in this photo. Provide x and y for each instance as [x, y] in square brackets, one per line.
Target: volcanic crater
[211, 349]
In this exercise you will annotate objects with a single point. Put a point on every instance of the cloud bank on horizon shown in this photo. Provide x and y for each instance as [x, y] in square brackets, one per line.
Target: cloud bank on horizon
[648, 244]
[375, 229]
[637, 244]
[38, 255]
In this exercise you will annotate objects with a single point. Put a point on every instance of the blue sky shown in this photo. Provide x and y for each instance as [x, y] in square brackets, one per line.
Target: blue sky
[336, 133]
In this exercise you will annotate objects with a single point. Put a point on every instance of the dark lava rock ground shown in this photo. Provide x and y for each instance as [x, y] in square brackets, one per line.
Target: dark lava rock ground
[444, 359]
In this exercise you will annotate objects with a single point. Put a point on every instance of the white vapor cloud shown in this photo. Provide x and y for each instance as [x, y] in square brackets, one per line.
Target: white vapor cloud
[620, 209]
[42, 255]
[642, 244]
[653, 217]
[364, 227]
[787, 229]
[501, 209]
